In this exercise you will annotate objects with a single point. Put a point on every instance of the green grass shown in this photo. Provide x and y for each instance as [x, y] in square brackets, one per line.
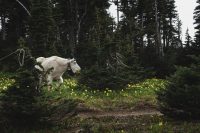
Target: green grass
[5, 80]
[132, 97]
[139, 124]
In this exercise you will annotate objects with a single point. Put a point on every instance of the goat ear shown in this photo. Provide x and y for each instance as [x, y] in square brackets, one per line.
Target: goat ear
[70, 60]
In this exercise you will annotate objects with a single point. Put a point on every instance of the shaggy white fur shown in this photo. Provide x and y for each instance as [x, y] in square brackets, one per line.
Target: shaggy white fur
[56, 67]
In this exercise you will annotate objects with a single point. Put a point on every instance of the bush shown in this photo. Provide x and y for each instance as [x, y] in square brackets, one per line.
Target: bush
[18, 103]
[102, 78]
[23, 107]
[181, 97]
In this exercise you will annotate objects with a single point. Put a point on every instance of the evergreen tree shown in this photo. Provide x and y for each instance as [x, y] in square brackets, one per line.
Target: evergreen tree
[171, 15]
[18, 21]
[188, 39]
[13, 20]
[197, 23]
[76, 20]
[128, 30]
[14, 24]
[179, 32]
[19, 102]
[180, 99]
[42, 29]
[5, 7]
[114, 76]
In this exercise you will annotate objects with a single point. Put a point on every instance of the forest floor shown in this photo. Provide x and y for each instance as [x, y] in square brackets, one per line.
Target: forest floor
[78, 109]
[85, 112]
[117, 114]
[145, 119]
[114, 120]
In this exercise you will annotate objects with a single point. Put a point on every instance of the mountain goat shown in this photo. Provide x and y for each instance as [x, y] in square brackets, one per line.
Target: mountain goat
[55, 66]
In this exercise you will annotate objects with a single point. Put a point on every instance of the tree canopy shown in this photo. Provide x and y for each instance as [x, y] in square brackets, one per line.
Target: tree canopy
[148, 31]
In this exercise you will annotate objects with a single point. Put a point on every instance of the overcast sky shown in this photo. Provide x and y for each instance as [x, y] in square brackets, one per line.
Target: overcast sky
[185, 10]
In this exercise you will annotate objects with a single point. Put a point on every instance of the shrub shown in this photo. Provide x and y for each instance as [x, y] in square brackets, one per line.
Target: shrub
[18, 104]
[181, 97]
[102, 78]
[24, 107]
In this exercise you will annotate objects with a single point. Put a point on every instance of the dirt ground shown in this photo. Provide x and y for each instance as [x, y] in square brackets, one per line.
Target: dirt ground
[115, 114]
[85, 112]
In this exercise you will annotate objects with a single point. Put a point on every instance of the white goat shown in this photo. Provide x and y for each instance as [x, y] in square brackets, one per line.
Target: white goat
[58, 65]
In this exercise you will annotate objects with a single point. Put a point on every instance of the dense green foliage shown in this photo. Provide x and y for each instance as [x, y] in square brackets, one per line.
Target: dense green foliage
[112, 78]
[42, 29]
[180, 98]
[24, 106]
[136, 96]
[131, 96]
[18, 102]
[85, 30]
[145, 42]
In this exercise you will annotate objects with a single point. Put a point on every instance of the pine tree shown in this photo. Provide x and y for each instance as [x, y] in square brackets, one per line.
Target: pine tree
[180, 99]
[42, 29]
[197, 23]
[19, 102]
[179, 31]
[76, 19]
[13, 25]
[188, 40]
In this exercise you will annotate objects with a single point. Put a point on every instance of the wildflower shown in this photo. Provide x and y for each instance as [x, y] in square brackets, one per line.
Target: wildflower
[122, 131]
[160, 123]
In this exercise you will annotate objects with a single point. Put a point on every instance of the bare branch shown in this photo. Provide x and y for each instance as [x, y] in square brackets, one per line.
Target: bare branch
[27, 11]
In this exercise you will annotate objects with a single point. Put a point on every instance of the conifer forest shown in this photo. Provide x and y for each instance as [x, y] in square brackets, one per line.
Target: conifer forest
[139, 72]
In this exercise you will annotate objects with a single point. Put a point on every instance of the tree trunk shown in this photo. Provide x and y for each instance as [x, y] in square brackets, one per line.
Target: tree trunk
[3, 27]
[72, 28]
[79, 22]
[141, 37]
[159, 47]
[72, 41]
